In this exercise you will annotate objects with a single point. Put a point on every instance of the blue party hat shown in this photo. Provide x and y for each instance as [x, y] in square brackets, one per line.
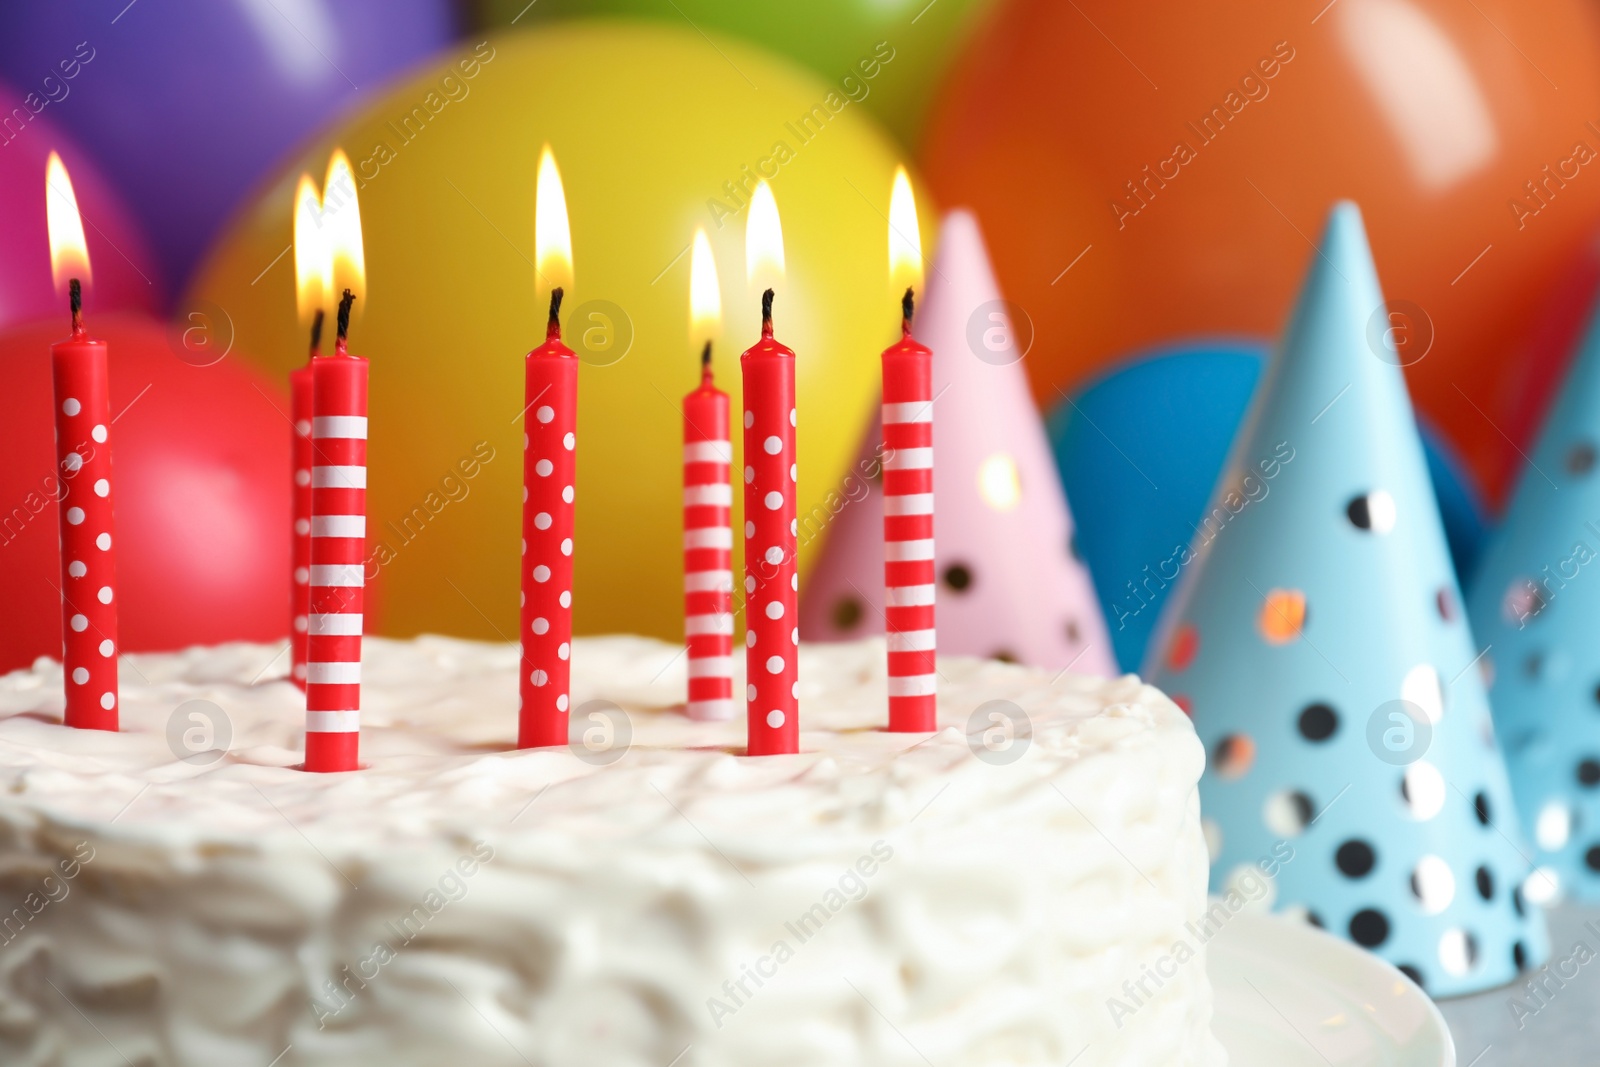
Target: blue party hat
[1536, 605]
[1317, 639]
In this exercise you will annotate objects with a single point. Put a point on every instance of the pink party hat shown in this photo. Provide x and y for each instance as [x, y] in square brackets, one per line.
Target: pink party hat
[1009, 585]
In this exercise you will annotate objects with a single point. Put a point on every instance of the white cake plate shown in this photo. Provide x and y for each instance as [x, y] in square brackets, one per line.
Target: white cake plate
[1289, 995]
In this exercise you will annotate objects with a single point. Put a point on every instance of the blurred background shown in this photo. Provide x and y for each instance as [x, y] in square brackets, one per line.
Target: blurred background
[1138, 190]
[1148, 184]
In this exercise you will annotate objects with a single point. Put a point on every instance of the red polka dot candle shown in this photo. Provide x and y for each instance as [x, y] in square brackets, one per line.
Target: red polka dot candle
[300, 393]
[312, 269]
[338, 547]
[549, 465]
[707, 511]
[908, 491]
[772, 634]
[83, 451]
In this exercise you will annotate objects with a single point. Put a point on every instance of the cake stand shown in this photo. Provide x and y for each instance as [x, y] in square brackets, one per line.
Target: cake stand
[1289, 995]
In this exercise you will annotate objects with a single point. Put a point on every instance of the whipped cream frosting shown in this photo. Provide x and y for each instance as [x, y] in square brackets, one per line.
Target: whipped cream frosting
[973, 897]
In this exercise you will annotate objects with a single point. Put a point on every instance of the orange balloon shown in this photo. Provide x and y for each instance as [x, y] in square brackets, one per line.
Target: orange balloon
[1150, 175]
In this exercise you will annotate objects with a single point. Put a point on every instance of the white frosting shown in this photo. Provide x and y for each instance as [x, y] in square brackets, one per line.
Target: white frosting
[568, 913]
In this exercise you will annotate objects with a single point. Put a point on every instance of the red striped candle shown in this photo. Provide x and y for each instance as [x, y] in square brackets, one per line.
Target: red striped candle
[708, 548]
[772, 637]
[88, 562]
[908, 529]
[338, 547]
[548, 467]
[300, 411]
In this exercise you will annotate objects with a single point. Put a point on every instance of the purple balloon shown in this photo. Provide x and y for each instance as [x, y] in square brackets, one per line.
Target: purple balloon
[186, 103]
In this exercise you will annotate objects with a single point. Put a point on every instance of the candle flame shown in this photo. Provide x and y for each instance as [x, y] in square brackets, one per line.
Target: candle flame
[705, 296]
[552, 234]
[313, 268]
[905, 238]
[69, 252]
[346, 254]
[763, 240]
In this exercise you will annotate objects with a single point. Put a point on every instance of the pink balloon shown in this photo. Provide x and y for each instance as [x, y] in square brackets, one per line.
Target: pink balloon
[125, 276]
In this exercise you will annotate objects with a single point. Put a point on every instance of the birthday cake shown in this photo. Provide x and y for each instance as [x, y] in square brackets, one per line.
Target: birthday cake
[992, 894]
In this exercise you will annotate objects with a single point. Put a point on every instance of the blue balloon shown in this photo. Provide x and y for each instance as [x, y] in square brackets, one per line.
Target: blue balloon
[187, 103]
[1140, 451]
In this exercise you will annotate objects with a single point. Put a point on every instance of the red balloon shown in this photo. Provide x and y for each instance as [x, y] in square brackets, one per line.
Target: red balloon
[1145, 174]
[201, 461]
[125, 275]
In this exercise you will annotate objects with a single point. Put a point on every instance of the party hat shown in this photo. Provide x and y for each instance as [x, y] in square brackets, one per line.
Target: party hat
[1009, 585]
[1535, 604]
[1317, 639]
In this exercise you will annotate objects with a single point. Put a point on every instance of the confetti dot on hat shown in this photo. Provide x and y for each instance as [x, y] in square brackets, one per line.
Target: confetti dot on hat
[1282, 616]
[1355, 859]
[1554, 826]
[958, 577]
[1234, 756]
[1181, 651]
[1369, 927]
[1318, 721]
[1458, 951]
[1580, 458]
[1373, 511]
[847, 613]
[1287, 813]
[1423, 790]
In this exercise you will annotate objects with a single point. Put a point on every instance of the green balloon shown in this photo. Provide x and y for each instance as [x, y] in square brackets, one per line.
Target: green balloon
[888, 55]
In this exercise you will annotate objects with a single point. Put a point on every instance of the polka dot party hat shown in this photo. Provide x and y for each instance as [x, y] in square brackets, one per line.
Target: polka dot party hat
[1535, 604]
[1317, 638]
[1008, 584]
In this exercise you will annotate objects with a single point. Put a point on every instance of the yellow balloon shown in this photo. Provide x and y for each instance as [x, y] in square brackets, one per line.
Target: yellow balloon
[656, 131]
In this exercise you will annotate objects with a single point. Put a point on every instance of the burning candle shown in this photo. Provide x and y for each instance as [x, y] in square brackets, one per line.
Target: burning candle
[908, 487]
[311, 273]
[772, 637]
[338, 519]
[83, 450]
[550, 417]
[707, 509]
